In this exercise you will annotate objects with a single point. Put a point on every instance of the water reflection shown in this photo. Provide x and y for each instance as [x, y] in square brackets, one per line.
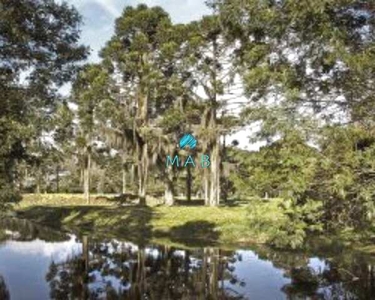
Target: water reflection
[4, 293]
[37, 263]
[114, 269]
[23, 230]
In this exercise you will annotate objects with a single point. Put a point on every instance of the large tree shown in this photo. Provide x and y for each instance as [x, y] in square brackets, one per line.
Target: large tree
[306, 65]
[89, 90]
[143, 53]
[210, 60]
[38, 53]
[305, 57]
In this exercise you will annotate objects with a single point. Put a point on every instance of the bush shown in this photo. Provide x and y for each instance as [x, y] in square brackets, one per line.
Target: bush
[8, 196]
[283, 222]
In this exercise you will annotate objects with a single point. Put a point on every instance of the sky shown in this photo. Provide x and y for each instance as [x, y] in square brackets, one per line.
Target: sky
[98, 26]
[99, 17]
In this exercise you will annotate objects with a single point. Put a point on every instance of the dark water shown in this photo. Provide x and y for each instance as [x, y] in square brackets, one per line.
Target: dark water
[39, 263]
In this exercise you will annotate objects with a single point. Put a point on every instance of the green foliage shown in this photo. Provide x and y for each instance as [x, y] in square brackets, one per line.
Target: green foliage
[344, 179]
[40, 39]
[305, 66]
[8, 196]
[284, 222]
[283, 169]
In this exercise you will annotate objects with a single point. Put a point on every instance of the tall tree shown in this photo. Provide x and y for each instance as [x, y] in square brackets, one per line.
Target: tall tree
[142, 52]
[305, 57]
[63, 129]
[40, 39]
[211, 64]
[89, 90]
[307, 64]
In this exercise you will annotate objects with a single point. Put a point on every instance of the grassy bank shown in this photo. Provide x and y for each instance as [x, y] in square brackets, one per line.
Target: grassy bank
[184, 225]
[188, 226]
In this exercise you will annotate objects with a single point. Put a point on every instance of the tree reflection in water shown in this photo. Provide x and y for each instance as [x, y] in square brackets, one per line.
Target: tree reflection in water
[121, 270]
[4, 293]
[334, 282]
[24, 230]
[344, 275]
[113, 270]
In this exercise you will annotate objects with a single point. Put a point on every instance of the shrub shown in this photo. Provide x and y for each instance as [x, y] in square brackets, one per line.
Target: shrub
[8, 196]
[284, 222]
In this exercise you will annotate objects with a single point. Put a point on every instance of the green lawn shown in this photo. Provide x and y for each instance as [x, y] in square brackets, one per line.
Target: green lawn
[183, 225]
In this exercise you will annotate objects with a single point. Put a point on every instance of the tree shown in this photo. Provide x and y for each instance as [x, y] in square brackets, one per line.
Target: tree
[90, 88]
[142, 52]
[307, 65]
[63, 129]
[344, 179]
[210, 58]
[39, 38]
[310, 57]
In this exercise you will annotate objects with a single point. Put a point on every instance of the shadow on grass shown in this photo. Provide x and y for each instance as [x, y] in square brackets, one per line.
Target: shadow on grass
[55, 216]
[122, 199]
[200, 202]
[133, 223]
[192, 234]
[234, 203]
[184, 202]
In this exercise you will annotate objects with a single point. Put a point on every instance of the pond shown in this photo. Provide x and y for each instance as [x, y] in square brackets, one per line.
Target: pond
[40, 263]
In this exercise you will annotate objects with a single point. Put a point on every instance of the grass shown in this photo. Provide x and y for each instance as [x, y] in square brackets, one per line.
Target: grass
[29, 200]
[227, 227]
[180, 225]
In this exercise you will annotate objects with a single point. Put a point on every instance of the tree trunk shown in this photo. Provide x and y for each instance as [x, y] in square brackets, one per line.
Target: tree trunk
[206, 187]
[26, 177]
[82, 176]
[38, 186]
[215, 174]
[57, 179]
[123, 180]
[224, 192]
[188, 183]
[169, 188]
[142, 145]
[215, 139]
[132, 175]
[124, 172]
[168, 194]
[38, 181]
[142, 173]
[86, 183]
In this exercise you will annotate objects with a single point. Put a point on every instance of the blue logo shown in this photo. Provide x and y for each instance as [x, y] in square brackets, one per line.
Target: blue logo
[188, 140]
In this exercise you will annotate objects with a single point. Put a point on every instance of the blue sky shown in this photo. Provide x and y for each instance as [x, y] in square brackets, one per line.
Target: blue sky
[99, 17]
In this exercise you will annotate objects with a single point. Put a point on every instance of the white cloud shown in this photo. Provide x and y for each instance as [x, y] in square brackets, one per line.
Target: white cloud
[107, 5]
[110, 6]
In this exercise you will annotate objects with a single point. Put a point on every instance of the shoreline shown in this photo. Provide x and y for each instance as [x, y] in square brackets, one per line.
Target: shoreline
[186, 226]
